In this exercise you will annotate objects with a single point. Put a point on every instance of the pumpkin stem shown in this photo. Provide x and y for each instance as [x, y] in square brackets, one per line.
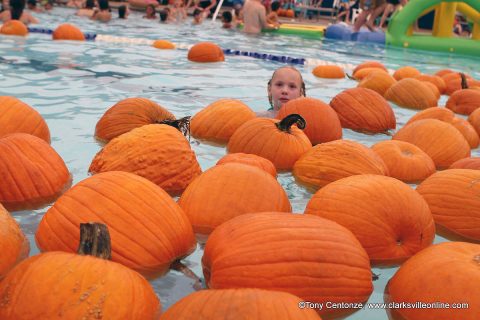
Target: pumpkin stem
[375, 276]
[182, 124]
[179, 266]
[464, 81]
[290, 120]
[350, 77]
[95, 240]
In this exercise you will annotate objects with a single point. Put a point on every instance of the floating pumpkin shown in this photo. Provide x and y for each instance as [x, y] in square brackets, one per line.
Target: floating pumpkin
[323, 124]
[369, 64]
[17, 116]
[452, 196]
[464, 101]
[149, 230]
[442, 72]
[14, 28]
[206, 52]
[33, 174]
[77, 286]
[433, 88]
[445, 274]
[436, 80]
[406, 72]
[129, 114]
[440, 140]
[14, 246]
[467, 130]
[67, 31]
[250, 159]
[157, 152]
[411, 93]
[467, 163]
[405, 161]
[276, 140]
[163, 44]
[290, 13]
[329, 72]
[378, 81]
[364, 110]
[390, 219]
[324, 261]
[253, 304]
[438, 113]
[224, 192]
[458, 81]
[331, 161]
[219, 120]
[474, 119]
[365, 72]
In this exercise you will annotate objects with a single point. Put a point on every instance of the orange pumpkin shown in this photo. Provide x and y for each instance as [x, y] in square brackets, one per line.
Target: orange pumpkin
[436, 80]
[331, 161]
[14, 246]
[369, 64]
[452, 196]
[157, 152]
[290, 13]
[232, 189]
[253, 304]
[329, 72]
[129, 114]
[438, 113]
[454, 82]
[206, 52]
[363, 110]
[406, 72]
[440, 140]
[378, 81]
[250, 159]
[390, 219]
[323, 124]
[219, 120]
[67, 31]
[467, 130]
[464, 101]
[16, 116]
[276, 140]
[467, 163]
[149, 230]
[445, 274]
[474, 119]
[33, 174]
[442, 72]
[365, 72]
[411, 93]
[405, 161]
[14, 28]
[324, 261]
[163, 44]
[57, 285]
[433, 88]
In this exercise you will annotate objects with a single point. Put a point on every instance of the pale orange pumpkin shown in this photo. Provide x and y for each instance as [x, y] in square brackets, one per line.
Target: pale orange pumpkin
[14, 28]
[363, 110]
[378, 81]
[436, 80]
[163, 44]
[411, 93]
[323, 124]
[365, 72]
[390, 219]
[67, 31]
[329, 72]
[17, 116]
[206, 52]
[219, 120]
[439, 275]
[464, 101]
[467, 163]
[406, 72]
[129, 114]
[250, 159]
[405, 161]
[331, 161]
[369, 64]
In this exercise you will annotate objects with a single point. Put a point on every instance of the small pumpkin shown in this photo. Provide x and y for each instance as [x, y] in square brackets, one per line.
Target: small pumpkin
[67, 31]
[250, 159]
[411, 93]
[206, 52]
[14, 28]
[436, 80]
[329, 72]
[467, 163]
[378, 81]
[464, 101]
[458, 81]
[369, 64]
[365, 72]
[406, 72]
[442, 72]
[163, 44]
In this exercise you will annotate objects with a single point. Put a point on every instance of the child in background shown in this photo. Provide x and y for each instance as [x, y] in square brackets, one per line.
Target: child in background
[197, 16]
[123, 12]
[178, 12]
[272, 17]
[32, 6]
[150, 12]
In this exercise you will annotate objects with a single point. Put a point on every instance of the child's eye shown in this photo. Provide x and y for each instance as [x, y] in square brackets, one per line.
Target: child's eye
[293, 86]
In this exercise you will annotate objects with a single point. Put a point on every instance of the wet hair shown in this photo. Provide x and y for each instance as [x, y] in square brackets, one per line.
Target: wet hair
[227, 16]
[164, 15]
[275, 6]
[303, 91]
[103, 5]
[196, 12]
[122, 11]
[89, 4]
[32, 3]
[16, 8]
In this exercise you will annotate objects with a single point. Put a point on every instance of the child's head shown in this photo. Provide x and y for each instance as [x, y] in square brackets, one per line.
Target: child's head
[197, 15]
[275, 6]
[164, 15]
[90, 4]
[286, 84]
[150, 10]
[103, 5]
[227, 17]
[122, 12]
[31, 4]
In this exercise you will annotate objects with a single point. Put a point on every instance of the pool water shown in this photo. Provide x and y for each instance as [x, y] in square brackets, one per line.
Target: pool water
[72, 84]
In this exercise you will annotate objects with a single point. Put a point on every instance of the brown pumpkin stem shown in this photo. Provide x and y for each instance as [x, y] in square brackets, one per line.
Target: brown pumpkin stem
[350, 77]
[289, 121]
[95, 240]
[179, 266]
[375, 276]
[182, 124]
[464, 81]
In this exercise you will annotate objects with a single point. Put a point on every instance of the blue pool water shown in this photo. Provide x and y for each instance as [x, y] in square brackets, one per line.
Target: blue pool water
[72, 84]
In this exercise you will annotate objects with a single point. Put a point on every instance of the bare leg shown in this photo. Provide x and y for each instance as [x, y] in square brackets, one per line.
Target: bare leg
[386, 12]
[376, 12]
[362, 17]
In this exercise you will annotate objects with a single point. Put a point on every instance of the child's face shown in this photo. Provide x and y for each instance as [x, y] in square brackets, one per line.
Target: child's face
[285, 86]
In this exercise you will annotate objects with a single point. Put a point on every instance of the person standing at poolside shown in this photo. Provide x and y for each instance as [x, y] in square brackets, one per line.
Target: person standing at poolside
[255, 17]
[371, 10]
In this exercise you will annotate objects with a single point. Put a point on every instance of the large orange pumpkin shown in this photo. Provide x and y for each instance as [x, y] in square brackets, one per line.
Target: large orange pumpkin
[378, 81]
[436, 80]
[323, 124]
[328, 162]
[474, 119]
[411, 93]
[57, 285]
[33, 174]
[464, 101]
[453, 199]
[442, 72]
[433, 88]
[250, 159]
[316, 259]
[440, 140]
[149, 230]
[364, 110]
[276, 140]
[405, 161]
[252, 304]
[329, 72]
[467, 130]
[16, 116]
[390, 219]
[67, 31]
[129, 114]
[439, 275]
[206, 52]
[14, 28]
[224, 192]
[467, 163]
[365, 72]
[219, 120]
[157, 152]
[14, 246]
[406, 72]
[458, 81]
